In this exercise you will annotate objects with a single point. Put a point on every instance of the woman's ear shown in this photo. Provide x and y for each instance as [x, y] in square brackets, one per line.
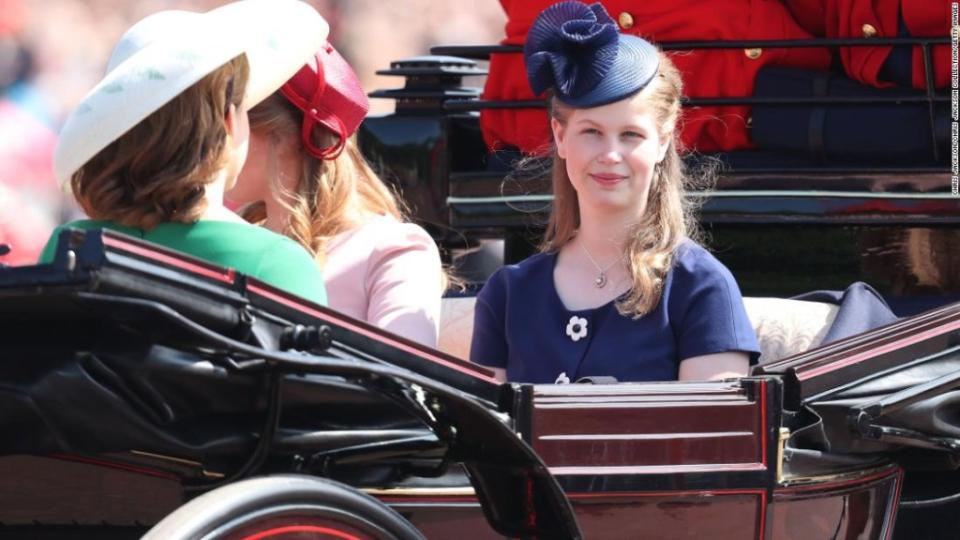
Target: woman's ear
[237, 124]
[230, 119]
[559, 132]
[665, 141]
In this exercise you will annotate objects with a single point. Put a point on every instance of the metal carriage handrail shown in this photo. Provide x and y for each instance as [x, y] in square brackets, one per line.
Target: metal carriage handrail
[931, 97]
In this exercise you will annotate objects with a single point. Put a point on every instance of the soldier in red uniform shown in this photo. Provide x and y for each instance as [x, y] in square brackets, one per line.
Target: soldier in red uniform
[882, 66]
[724, 72]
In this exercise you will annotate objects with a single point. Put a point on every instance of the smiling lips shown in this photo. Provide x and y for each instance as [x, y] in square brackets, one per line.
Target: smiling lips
[607, 179]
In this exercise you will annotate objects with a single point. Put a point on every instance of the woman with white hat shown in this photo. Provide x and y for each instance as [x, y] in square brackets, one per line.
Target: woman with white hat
[307, 179]
[620, 289]
[151, 149]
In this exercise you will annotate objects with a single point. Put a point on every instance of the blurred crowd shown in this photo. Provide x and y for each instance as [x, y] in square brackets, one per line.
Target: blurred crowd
[53, 51]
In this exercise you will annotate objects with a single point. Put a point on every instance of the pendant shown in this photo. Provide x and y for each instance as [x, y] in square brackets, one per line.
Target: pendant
[600, 281]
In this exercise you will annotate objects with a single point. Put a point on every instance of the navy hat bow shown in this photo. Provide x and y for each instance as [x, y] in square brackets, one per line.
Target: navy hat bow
[577, 50]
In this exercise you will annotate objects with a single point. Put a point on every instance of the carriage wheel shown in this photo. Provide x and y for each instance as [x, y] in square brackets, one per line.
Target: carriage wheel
[286, 507]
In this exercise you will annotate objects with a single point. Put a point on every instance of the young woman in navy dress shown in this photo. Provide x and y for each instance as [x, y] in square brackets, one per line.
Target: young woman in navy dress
[619, 289]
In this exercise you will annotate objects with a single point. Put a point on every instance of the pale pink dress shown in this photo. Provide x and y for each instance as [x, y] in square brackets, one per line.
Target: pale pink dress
[388, 274]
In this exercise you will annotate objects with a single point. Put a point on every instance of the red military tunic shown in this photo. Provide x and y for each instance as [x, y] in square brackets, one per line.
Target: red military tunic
[714, 73]
[879, 18]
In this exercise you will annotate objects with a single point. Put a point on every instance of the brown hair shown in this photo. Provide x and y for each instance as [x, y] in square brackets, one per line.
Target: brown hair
[668, 217]
[157, 171]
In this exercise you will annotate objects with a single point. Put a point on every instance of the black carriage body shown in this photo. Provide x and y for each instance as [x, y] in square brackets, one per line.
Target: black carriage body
[135, 379]
[120, 346]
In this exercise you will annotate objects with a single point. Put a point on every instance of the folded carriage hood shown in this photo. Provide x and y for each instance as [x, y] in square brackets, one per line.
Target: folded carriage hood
[892, 390]
[109, 349]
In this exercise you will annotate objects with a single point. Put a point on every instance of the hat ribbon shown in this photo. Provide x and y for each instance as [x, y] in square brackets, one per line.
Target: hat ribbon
[314, 112]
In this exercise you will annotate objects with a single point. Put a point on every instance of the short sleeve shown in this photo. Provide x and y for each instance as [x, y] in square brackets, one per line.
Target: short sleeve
[404, 284]
[290, 267]
[707, 311]
[488, 346]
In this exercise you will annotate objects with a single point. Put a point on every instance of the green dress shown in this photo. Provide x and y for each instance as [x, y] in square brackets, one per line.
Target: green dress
[251, 250]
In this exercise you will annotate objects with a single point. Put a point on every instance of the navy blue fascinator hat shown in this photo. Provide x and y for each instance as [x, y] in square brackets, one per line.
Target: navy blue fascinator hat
[577, 50]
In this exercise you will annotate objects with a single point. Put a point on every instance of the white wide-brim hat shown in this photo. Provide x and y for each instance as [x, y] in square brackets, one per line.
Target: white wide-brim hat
[169, 51]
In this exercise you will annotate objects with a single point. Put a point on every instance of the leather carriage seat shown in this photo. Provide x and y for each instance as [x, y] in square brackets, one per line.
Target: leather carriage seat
[784, 327]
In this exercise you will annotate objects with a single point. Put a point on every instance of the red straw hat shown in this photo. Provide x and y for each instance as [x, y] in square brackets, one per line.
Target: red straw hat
[327, 91]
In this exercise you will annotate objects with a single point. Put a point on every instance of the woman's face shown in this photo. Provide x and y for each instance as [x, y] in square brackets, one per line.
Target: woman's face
[610, 154]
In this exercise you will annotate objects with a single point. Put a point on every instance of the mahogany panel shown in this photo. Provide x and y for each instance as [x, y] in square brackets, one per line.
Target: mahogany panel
[707, 514]
[665, 517]
[623, 433]
[661, 417]
[446, 520]
[674, 449]
[863, 510]
[663, 390]
[39, 490]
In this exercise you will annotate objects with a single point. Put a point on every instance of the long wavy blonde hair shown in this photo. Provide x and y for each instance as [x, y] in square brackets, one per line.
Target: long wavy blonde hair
[317, 208]
[668, 217]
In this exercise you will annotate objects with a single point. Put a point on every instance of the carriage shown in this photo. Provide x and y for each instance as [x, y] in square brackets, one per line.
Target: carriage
[145, 392]
[137, 379]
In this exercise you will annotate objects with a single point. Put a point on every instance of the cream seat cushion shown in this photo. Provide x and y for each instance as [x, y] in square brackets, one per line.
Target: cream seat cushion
[783, 327]
[787, 327]
[456, 326]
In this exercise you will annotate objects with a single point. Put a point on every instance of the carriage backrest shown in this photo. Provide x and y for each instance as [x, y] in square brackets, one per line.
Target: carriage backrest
[784, 327]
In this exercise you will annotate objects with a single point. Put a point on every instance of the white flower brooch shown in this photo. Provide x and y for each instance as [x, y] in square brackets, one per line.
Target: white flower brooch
[577, 328]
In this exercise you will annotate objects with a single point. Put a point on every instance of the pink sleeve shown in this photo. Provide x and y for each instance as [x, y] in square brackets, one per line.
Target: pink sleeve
[404, 284]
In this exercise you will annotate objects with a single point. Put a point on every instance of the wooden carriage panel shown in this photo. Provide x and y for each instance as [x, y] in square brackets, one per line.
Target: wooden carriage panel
[650, 450]
[862, 508]
[731, 514]
[71, 490]
[647, 430]
[445, 517]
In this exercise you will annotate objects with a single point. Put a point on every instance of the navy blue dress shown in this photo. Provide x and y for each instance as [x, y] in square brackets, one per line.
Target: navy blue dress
[521, 324]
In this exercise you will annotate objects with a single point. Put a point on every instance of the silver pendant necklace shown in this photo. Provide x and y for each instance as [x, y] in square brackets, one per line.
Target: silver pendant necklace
[601, 280]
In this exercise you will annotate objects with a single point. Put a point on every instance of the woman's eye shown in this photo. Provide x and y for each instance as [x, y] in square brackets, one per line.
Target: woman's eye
[633, 134]
[590, 131]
